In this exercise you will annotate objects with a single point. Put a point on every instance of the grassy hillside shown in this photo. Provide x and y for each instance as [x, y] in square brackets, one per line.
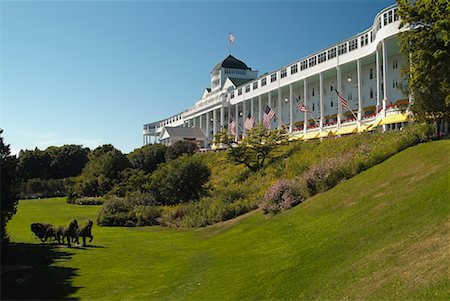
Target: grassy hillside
[384, 234]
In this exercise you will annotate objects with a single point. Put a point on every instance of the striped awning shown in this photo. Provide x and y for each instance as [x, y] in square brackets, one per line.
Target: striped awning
[397, 118]
[311, 135]
[346, 130]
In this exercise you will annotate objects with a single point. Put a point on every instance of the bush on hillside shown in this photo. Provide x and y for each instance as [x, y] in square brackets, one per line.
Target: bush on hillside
[179, 180]
[133, 210]
[148, 157]
[86, 201]
[281, 196]
[180, 148]
[43, 188]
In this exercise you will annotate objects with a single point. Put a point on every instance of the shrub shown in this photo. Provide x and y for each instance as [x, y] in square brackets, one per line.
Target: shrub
[117, 211]
[148, 157]
[42, 188]
[180, 148]
[86, 201]
[281, 196]
[179, 180]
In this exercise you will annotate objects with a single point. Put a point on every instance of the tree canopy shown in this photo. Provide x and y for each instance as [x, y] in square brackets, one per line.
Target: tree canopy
[148, 157]
[427, 46]
[254, 148]
[8, 186]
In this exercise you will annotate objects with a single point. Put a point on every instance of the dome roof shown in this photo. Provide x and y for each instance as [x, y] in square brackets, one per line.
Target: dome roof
[231, 62]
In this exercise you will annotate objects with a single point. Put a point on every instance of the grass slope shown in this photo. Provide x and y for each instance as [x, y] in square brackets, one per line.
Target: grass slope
[383, 234]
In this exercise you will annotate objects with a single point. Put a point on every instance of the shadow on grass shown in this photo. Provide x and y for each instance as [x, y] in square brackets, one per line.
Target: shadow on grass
[29, 272]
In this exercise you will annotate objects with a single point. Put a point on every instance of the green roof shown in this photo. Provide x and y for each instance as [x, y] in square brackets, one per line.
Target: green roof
[240, 81]
[231, 62]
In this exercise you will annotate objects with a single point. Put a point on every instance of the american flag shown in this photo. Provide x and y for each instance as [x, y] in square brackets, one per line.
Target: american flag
[249, 122]
[233, 127]
[343, 101]
[231, 38]
[268, 115]
[303, 108]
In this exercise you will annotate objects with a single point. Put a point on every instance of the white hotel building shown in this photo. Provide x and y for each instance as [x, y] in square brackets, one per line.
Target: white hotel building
[365, 69]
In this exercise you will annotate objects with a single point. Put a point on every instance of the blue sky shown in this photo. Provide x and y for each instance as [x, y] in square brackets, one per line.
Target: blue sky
[93, 72]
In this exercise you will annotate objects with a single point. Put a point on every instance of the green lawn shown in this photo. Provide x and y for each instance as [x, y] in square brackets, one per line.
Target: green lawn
[383, 234]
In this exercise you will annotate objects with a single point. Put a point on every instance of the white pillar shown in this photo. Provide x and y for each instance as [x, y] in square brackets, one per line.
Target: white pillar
[322, 115]
[377, 67]
[200, 122]
[252, 109]
[291, 110]
[385, 77]
[305, 114]
[244, 116]
[222, 116]
[236, 120]
[208, 121]
[214, 122]
[193, 119]
[280, 111]
[259, 109]
[228, 121]
[269, 102]
[358, 75]
[339, 88]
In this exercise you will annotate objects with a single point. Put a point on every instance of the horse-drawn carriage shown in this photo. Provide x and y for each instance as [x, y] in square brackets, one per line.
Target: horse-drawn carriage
[70, 234]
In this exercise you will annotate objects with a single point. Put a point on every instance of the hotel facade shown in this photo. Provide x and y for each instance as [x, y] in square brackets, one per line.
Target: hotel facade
[365, 69]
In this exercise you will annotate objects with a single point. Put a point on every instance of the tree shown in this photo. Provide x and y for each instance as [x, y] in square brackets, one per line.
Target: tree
[100, 173]
[67, 160]
[254, 149]
[8, 187]
[426, 45]
[148, 157]
[179, 180]
[182, 147]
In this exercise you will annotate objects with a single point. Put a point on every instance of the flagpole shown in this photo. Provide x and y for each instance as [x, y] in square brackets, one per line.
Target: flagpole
[315, 121]
[351, 111]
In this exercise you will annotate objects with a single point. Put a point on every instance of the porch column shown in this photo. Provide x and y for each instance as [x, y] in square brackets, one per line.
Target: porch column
[291, 110]
[305, 114]
[236, 120]
[322, 115]
[222, 118]
[214, 122]
[259, 109]
[385, 77]
[269, 103]
[244, 116]
[378, 89]
[228, 121]
[252, 109]
[280, 111]
[358, 75]
[339, 87]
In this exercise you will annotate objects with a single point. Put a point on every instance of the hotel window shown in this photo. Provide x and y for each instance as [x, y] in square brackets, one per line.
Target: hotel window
[342, 48]
[395, 14]
[379, 23]
[331, 104]
[350, 96]
[390, 16]
[247, 88]
[283, 73]
[322, 57]
[331, 88]
[353, 44]
[232, 95]
[312, 61]
[364, 40]
[371, 36]
[294, 69]
[371, 73]
[304, 65]
[313, 107]
[273, 77]
[394, 64]
[313, 92]
[263, 81]
[255, 85]
[384, 19]
[239, 91]
[371, 93]
[331, 53]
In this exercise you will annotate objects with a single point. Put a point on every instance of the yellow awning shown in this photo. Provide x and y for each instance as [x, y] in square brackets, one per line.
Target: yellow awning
[346, 130]
[397, 118]
[324, 134]
[311, 135]
[295, 138]
[365, 127]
